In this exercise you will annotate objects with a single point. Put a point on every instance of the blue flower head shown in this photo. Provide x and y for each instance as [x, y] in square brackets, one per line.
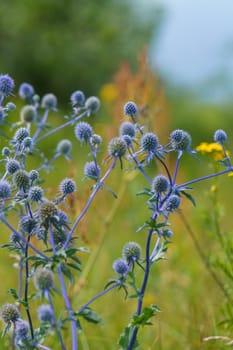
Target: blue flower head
[127, 128]
[220, 136]
[173, 202]
[93, 104]
[9, 313]
[21, 329]
[117, 147]
[77, 98]
[131, 252]
[130, 109]
[28, 114]
[64, 147]
[45, 313]
[67, 186]
[180, 140]
[5, 190]
[49, 101]
[6, 85]
[20, 135]
[92, 170]
[35, 193]
[44, 279]
[26, 91]
[120, 266]
[160, 184]
[12, 165]
[83, 131]
[149, 142]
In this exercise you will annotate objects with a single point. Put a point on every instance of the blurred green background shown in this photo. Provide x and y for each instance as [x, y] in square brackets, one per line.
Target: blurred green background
[103, 48]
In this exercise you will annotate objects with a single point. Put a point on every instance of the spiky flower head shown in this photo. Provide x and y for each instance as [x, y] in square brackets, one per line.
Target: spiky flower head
[127, 128]
[6, 152]
[127, 139]
[64, 147]
[220, 136]
[77, 98]
[6, 85]
[92, 170]
[120, 266]
[47, 211]
[12, 165]
[9, 313]
[93, 104]
[44, 279]
[45, 313]
[5, 190]
[28, 143]
[173, 202]
[149, 142]
[28, 114]
[27, 224]
[131, 252]
[67, 186]
[117, 147]
[20, 135]
[26, 90]
[21, 329]
[160, 184]
[130, 108]
[180, 140]
[96, 140]
[62, 217]
[83, 131]
[33, 175]
[10, 106]
[49, 101]
[35, 193]
[21, 179]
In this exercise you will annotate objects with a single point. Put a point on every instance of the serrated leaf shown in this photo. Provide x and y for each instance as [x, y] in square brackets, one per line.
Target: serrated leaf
[74, 266]
[144, 318]
[66, 271]
[89, 315]
[188, 195]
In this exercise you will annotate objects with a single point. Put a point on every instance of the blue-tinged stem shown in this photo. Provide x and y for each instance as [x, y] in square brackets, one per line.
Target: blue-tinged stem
[92, 196]
[42, 123]
[74, 119]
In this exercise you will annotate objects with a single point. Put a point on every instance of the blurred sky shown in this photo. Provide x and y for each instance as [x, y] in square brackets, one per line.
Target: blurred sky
[195, 46]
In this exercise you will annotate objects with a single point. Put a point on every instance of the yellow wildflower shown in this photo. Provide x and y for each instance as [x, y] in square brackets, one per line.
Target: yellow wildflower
[213, 148]
[108, 93]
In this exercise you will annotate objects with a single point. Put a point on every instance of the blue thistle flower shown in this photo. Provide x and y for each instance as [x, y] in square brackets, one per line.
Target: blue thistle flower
[5, 190]
[83, 131]
[62, 217]
[149, 142]
[6, 85]
[96, 140]
[26, 90]
[20, 135]
[220, 136]
[12, 166]
[67, 186]
[6, 152]
[21, 329]
[93, 104]
[180, 140]
[117, 147]
[10, 106]
[160, 184]
[130, 108]
[45, 313]
[173, 202]
[49, 101]
[127, 139]
[131, 252]
[127, 128]
[21, 179]
[64, 147]
[77, 98]
[33, 175]
[44, 279]
[91, 170]
[35, 193]
[120, 266]
[9, 313]
[28, 114]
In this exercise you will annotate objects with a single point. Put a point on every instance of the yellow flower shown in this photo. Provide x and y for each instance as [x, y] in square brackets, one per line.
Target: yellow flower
[108, 93]
[212, 148]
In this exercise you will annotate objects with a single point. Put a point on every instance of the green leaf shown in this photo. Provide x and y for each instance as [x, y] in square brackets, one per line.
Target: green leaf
[125, 338]
[188, 195]
[89, 315]
[74, 266]
[67, 272]
[144, 318]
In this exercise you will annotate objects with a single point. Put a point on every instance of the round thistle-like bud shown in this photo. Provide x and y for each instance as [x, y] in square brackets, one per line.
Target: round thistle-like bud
[149, 142]
[62, 217]
[77, 98]
[44, 279]
[35, 193]
[9, 313]
[5, 190]
[93, 104]
[27, 224]
[6, 152]
[20, 135]
[21, 179]
[220, 136]
[64, 147]
[117, 147]
[130, 108]
[96, 140]
[12, 166]
[127, 128]
[45, 313]
[28, 143]
[92, 170]
[10, 106]
[131, 252]
[83, 131]
[14, 237]
[168, 233]
[127, 139]
[120, 266]
[160, 184]
[28, 114]
[21, 329]
[47, 211]
[173, 202]
[67, 186]
[180, 140]
[26, 90]
[49, 101]
[6, 85]
[33, 175]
